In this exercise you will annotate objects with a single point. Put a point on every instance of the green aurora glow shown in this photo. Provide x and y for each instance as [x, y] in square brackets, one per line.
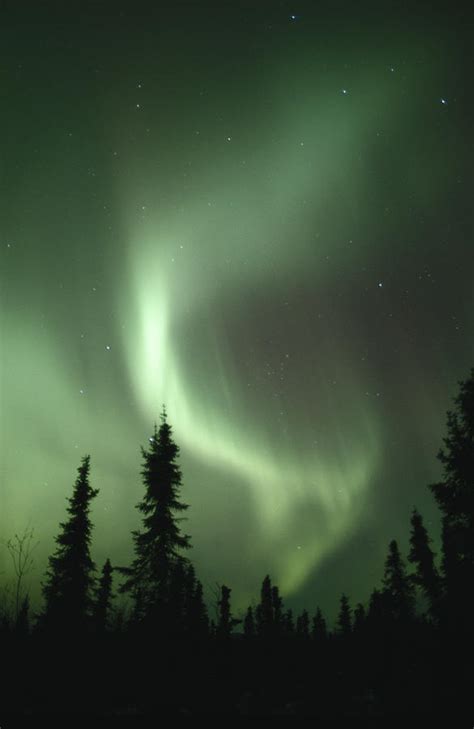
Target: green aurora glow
[262, 225]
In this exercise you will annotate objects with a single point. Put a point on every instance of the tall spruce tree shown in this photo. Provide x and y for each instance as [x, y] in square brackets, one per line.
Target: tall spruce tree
[68, 588]
[455, 497]
[398, 588]
[151, 579]
[426, 576]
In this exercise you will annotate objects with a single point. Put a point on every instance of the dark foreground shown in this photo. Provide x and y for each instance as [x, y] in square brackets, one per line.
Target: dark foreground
[119, 678]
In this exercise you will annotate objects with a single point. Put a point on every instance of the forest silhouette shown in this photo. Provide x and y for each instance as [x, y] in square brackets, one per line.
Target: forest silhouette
[407, 652]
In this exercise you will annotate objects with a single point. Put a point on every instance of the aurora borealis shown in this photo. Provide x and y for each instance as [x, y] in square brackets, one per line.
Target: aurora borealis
[259, 214]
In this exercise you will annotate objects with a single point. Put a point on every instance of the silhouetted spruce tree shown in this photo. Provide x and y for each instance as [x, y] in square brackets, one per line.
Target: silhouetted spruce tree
[196, 617]
[302, 625]
[426, 576]
[249, 624]
[103, 599]
[69, 583]
[455, 497]
[319, 629]
[377, 612]
[344, 619]
[288, 623]
[359, 618]
[226, 622]
[264, 612]
[158, 545]
[398, 588]
[277, 605]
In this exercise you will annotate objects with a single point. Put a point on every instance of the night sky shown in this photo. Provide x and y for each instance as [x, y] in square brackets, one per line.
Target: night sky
[259, 214]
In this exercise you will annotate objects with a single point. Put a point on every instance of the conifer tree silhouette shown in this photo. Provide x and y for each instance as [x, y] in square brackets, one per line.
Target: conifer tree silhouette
[288, 622]
[225, 621]
[302, 625]
[103, 600]
[277, 607]
[196, 617]
[359, 618]
[249, 623]
[398, 588]
[426, 576]
[199, 618]
[455, 498]
[69, 583]
[264, 612]
[319, 629]
[377, 611]
[344, 619]
[158, 545]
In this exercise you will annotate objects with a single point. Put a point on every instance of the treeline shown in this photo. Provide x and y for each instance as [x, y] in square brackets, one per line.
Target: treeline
[412, 623]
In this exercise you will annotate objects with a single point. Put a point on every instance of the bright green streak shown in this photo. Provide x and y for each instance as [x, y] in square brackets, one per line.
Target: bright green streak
[184, 265]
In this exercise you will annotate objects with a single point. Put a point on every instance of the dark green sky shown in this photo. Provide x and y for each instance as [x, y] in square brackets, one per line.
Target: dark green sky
[259, 213]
